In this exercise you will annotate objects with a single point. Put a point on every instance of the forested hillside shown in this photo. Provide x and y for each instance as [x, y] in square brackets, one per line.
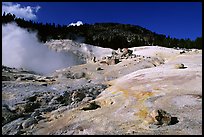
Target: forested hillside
[111, 35]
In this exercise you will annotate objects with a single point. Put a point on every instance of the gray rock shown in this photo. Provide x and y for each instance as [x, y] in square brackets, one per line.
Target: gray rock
[31, 106]
[53, 102]
[103, 58]
[32, 98]
[113, 61]
[38, 118]
[91, 106]
[94, 59]
[43, 100]
[114, 53]
[79, 75]
[87, 99]
[60, 110]
[44, 84]
[99, 68]
[28, 122]
[91, 90]
[89, 81]
[6, 78]
[18, 79]
[179, 66]
[182, 52]
[8, 115]
[35, 113]
[161, 117]
[77, 96]
[96, 92]
[28, 77]
[12, 128]
[134, 56]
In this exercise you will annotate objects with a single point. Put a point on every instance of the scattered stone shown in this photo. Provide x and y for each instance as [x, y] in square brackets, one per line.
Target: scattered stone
[103, 58]
[79, 75]
[89, 81]
[13, 128]
[87, 99]
[35, 113]
[91, 106]
[124, 51]
[113, 61]
[134, 56]
[182, 52]
[161, 117]
[99, 68]
[32, 98]
[28, 77]
[47, 108]
[94, 59]
[65, 99]
[130, 52]
[44, 84]
[104, 62]
[43, 100]
[78, 96]
[6, 78]
[54, 100]
[18, 79]
[117, 56]
[179, 66]
[28, 122]
[31, 106]
[41, 80]
[8, 115]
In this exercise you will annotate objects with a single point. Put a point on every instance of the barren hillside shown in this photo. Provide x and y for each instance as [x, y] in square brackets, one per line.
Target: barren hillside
[144, 90]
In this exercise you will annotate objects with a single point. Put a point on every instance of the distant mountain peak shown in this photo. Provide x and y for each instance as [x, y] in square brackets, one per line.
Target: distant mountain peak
[78, 23]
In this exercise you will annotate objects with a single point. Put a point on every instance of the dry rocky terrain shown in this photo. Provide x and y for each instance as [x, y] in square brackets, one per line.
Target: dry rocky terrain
[142, 91]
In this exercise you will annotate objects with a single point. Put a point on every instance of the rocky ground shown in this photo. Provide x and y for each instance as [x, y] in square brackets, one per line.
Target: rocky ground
[143, 90]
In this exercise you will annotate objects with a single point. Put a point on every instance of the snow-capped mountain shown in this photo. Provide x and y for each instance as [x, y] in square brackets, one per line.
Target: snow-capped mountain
[78, 23]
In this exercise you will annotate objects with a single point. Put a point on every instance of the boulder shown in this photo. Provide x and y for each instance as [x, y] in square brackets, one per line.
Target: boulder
[91, 106]
[113, 61]
[64, 99]
[6, 78]
[13, 128]
[179, 66]
[79, 75]
[54, 101]
[94, 59]
[8, 115]
[78, 96]
[104, 62]
[31, 106]
[32, 98]
[28, 77]
[160, 117]
[28, 122]
[182, 52]
[126, 52]
[99, 68]
[87, 99]
[103, 58]
[114, 53]
[36, 113]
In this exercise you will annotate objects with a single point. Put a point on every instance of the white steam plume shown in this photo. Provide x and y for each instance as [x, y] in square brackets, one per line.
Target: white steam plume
[21, 49]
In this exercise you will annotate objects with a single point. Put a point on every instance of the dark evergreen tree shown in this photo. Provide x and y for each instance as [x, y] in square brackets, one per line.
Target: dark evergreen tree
[111, 35]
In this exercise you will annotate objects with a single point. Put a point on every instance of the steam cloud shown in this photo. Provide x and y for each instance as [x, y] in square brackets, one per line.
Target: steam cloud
[21, 49]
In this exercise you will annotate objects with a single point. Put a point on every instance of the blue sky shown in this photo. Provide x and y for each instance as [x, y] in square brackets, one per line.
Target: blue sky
[176, 19]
